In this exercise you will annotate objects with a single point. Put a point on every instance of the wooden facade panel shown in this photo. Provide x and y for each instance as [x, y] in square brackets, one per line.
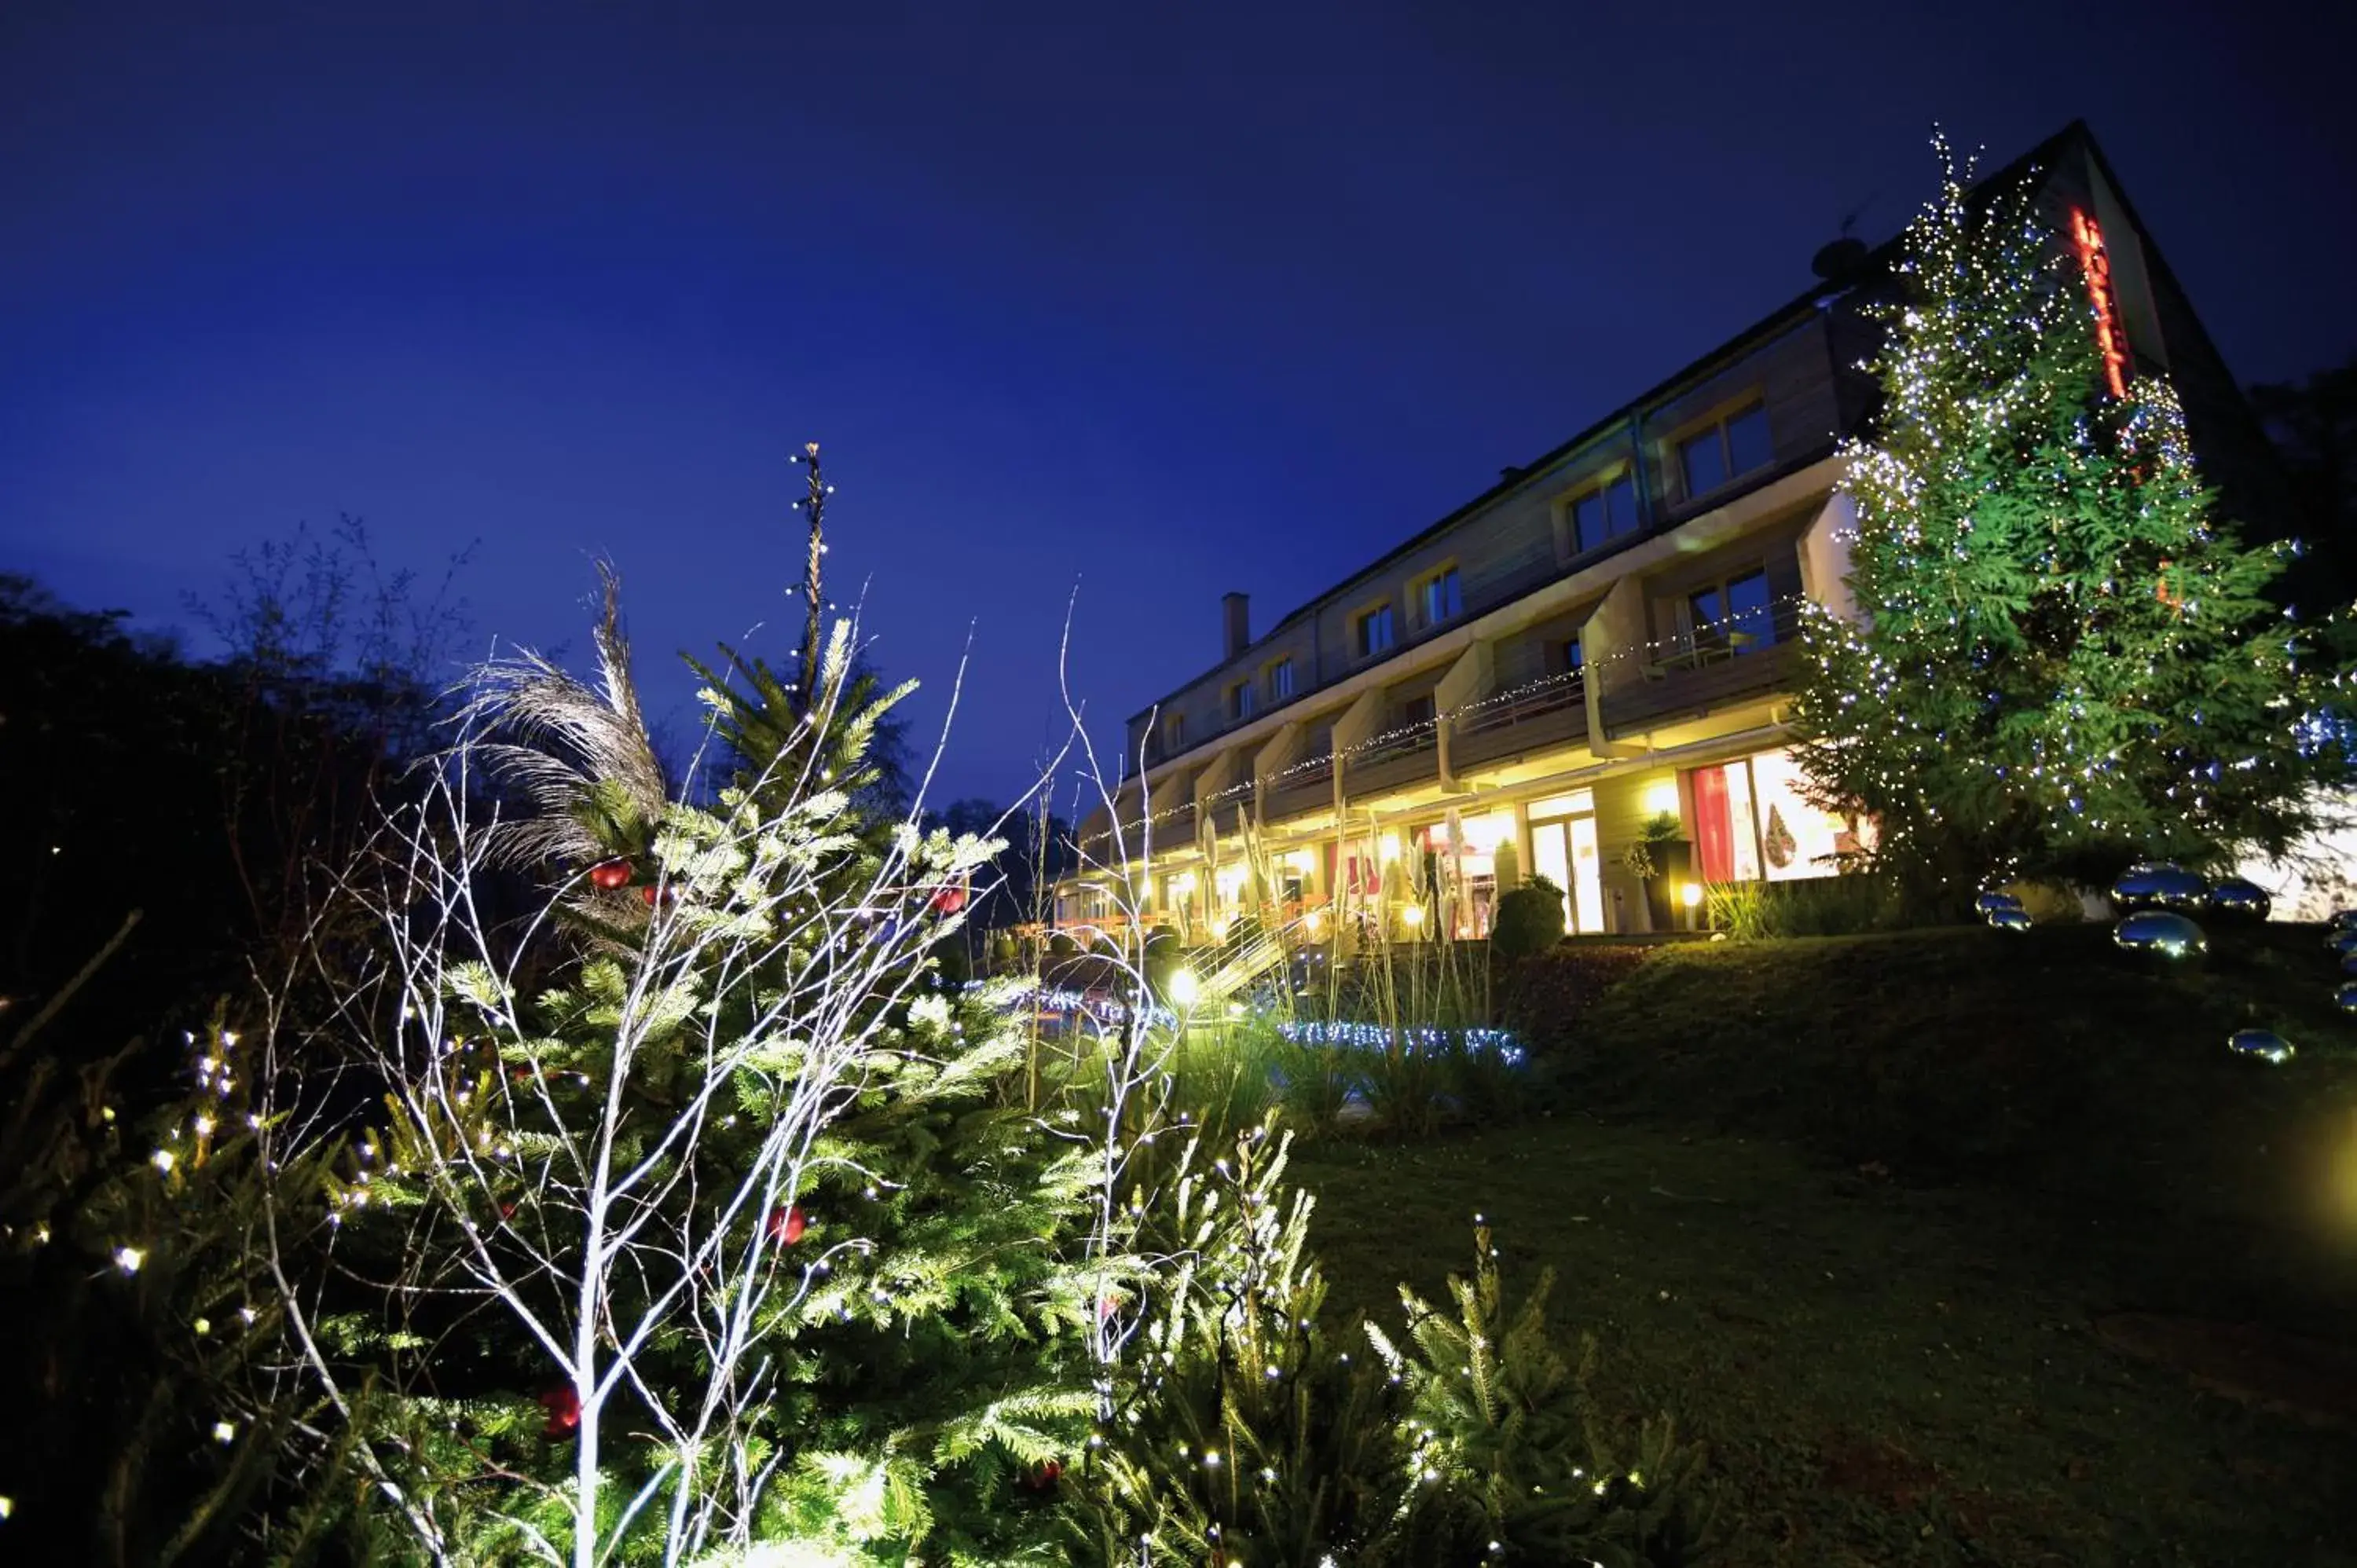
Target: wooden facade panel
[1792, 376]
[1525, 656]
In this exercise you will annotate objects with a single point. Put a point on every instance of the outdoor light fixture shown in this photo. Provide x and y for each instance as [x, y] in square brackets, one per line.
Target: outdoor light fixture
[1184, 988]
[1691, 892]
[1412, 916]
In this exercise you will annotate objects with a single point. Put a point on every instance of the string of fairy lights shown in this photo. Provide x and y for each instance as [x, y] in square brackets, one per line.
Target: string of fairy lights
[1777, 613]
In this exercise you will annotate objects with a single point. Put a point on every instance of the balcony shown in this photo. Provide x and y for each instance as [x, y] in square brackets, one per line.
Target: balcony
[1171, 828]
[1544, 715]
[1408, 757]
[1719, 666]
[1304, 788]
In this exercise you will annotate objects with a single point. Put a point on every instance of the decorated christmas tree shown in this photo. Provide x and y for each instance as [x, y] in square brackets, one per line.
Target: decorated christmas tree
[2061, 655]
[700, 1213]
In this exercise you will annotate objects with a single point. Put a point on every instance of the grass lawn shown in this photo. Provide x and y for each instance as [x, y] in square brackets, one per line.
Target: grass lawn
[2099, 1310]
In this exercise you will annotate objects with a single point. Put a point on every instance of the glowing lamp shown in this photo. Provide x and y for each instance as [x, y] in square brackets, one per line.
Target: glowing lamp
[1184, 988]
[1690, 893]
[1412, 916]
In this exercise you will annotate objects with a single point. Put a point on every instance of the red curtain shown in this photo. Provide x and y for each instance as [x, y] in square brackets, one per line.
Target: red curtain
[1714, 825]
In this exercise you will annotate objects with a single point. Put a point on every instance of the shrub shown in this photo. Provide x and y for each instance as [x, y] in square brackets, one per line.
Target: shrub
[1530, 921]
[1513, 1462]
[1240, 1436]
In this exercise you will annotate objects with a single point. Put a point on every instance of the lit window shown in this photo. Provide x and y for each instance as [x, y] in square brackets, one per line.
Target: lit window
[1606, 512]
[1280, 680]
[1373, 631]
[1727, 449]
[1563, 658]
[1440, 598]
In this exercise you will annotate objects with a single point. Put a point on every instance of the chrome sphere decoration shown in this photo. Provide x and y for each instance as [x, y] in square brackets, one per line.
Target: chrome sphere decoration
[2145, 886]
[2342, 921]
[2008, 919]
[2264, 1044]
[1990, 903]
[2349, 965]
[2343, 942]
[2345, 998]
[2156, 930]
[2238, 896]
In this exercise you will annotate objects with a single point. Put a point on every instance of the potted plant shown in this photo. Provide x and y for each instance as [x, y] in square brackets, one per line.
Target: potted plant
[1661, 860]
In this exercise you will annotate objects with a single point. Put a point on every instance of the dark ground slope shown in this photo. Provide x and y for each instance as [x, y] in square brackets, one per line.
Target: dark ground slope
[1954, 1248]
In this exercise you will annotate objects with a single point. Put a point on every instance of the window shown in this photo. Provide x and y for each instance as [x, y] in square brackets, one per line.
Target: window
[1735, 614]
[1606, 512]
[1243, 700]
[1438, 597]
[1280, 680]
[1372, 632]
[1174, 734]
[1726, 449]
[1417, 711]
[1562, 656]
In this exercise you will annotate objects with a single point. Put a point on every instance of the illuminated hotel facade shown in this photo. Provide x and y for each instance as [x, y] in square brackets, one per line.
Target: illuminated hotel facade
[1598, 650]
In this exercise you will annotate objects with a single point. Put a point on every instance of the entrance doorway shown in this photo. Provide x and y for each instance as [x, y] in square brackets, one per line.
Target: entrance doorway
[1564, 851]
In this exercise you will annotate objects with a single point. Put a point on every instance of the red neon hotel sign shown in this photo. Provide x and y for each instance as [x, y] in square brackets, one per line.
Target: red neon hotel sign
[2111, 334]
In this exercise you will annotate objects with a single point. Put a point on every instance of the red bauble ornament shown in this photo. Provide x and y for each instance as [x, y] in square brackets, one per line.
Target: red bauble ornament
[564, 1407]
[650, 892]
[950, 900]
[787, 1224]
[1045, 1476]
[611, 874]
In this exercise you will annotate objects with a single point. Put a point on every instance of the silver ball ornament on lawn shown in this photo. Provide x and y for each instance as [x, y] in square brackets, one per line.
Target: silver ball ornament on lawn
[2239, 895]
[2345, 998]
[2145, 886]
[2264, 1044]
[2156, 930]
[1990, 903]
[2008, 919]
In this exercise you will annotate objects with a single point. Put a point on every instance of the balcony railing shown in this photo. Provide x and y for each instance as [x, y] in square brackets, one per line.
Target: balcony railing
[1727, 663]
[1547, 713]
[1406, 757]
[1306, 785]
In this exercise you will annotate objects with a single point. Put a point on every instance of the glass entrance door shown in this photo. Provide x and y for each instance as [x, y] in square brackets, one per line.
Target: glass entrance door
[1564, 851]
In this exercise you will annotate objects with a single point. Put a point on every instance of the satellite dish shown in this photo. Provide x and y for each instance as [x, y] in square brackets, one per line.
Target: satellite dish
[1840, 261]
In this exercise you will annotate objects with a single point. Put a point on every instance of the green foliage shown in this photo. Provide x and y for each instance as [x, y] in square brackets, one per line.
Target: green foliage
[2062, 651]
[1529, 920]
[1512, 1459]
[1246, 1437]
[1844, 906]
[842, 1278]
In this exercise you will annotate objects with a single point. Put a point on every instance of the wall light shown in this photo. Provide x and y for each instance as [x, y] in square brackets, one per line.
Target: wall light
[1662, 795]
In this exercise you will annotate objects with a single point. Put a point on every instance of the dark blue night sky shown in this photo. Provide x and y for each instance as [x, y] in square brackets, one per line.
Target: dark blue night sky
[1148, 302]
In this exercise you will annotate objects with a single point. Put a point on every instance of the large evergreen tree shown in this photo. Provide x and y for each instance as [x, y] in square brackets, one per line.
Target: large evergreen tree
[2061, 657]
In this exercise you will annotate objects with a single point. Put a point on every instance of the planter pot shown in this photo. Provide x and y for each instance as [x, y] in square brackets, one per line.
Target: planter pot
[1673, 868]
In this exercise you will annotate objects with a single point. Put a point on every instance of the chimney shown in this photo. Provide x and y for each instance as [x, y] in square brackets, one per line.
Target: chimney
[1235, 617]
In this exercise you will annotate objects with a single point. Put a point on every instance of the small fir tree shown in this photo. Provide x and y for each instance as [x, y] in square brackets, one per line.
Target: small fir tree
[715, 1219]
[2061, 654]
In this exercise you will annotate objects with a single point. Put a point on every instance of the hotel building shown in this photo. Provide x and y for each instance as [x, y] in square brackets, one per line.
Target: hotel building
[1603, 640]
